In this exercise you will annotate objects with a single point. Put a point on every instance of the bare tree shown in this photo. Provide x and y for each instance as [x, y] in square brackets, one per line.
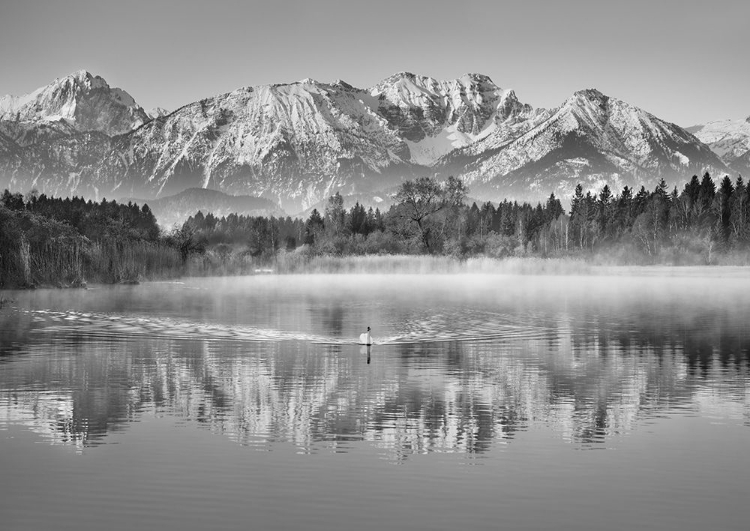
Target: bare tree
[423, 198]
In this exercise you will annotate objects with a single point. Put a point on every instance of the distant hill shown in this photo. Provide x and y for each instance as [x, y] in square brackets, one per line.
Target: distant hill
[176, 209]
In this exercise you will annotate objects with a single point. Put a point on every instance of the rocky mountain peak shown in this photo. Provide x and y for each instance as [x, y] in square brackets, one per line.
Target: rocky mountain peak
[394, 78]
[298, 143]
[343, 84]
[81, 98]
[157, 112]
[85, 78]
[591, 95]
[421, 107]
[476, 77]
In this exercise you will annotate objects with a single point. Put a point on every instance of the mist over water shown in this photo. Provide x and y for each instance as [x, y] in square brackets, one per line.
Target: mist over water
[509, 373]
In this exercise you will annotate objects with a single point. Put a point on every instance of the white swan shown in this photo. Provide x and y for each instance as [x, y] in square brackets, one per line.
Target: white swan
[365, 339]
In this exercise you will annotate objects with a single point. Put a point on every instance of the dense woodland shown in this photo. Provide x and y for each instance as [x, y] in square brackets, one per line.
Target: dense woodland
[68, 242]
[700, 224]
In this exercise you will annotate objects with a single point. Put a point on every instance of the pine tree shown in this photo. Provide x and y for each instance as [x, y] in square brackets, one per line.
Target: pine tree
[738, 208]
[692, 189]
[722, 207]
[640, 201]
[702, 206]
[604, 210]
[357, 220]
[553, 209]
[578, 216]
[624, 210]
[314, 227]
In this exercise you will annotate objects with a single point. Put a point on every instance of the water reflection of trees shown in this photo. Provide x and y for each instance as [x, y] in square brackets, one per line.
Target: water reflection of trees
[587, 383]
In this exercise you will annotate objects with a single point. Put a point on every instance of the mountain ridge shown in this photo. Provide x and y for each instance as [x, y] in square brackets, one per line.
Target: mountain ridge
[730, 139]
[82, 99]
[297, 143]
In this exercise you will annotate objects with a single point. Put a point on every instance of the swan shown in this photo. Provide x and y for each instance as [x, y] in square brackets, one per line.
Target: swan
[365, 339]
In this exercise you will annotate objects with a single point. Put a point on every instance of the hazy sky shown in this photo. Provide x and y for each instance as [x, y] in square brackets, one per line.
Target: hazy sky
[686, 61]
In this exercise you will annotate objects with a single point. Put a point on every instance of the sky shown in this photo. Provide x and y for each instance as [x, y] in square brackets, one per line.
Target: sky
[686, 61]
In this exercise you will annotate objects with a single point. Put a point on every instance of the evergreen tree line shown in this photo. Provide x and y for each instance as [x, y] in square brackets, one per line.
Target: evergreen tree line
[53, 241]
[696, 225]
[427, 218]
[69, 242]
[699, 225]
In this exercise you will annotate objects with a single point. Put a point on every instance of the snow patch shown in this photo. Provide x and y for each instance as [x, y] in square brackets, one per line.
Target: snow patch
[685, 161]
[430, 149]
[12, 104]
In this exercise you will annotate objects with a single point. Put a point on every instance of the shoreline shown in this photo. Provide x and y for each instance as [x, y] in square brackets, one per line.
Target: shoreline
[439, 265]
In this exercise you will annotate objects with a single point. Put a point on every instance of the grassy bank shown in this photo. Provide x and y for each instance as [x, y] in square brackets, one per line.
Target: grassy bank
[68, 243]
[75, 263]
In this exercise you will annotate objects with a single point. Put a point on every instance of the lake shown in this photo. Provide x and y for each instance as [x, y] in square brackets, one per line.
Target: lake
[611, 401]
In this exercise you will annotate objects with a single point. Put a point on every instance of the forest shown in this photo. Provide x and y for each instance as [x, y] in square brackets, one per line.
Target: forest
[46, 241]
[69, 242]
[698, 225]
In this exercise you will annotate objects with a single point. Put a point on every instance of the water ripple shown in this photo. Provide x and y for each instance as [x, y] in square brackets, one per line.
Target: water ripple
[437, 327]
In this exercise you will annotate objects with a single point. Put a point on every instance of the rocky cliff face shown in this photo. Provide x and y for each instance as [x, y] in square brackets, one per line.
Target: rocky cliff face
[298, 143]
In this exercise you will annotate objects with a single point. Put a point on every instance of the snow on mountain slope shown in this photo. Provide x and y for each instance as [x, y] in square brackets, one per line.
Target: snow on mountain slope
[157, 112]
[296, 144]
[27, 133]
[55, 138]
[84, 100]
[591, 138]
[729, 139]
[436, 117]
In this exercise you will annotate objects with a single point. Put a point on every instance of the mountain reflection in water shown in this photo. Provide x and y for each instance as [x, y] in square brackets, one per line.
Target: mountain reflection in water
[463, 369]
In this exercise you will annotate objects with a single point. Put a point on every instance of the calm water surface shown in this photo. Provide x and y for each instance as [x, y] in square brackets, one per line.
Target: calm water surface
[487, 402]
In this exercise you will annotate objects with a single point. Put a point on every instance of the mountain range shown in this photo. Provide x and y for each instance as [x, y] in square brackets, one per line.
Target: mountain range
[295, 144]
[730, 140]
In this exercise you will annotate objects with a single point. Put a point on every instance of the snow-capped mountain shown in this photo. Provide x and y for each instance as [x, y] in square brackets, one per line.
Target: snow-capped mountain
[592, 139]
[730, 140]
[81, 99]
[294, 143]
[298, 143]
[436, 117]
[157, 112]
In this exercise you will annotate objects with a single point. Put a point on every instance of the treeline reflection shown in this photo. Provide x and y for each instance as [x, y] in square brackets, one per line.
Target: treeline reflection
[587, 383]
